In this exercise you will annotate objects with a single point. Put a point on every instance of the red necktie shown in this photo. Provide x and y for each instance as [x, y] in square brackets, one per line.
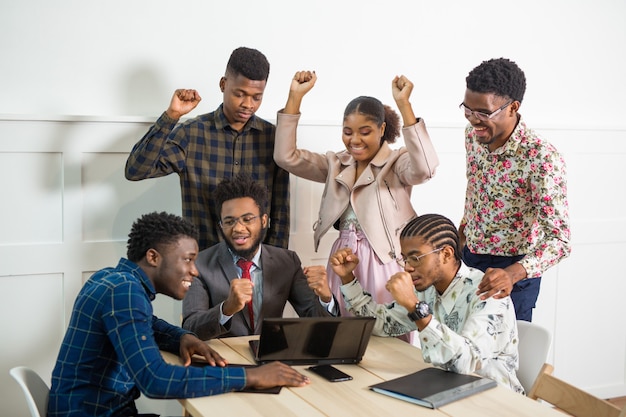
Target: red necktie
[245, 266]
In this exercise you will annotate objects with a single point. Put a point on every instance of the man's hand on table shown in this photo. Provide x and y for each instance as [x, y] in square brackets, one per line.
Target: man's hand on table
[275, 374]
[190, 345]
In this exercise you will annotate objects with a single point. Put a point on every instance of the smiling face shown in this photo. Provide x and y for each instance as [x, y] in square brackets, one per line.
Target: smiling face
[247, 233]
[495, 131]
[242, 98]
[174, 267]
[362, 137]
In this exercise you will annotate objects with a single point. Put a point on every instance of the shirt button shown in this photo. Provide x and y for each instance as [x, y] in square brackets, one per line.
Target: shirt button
[236, 163]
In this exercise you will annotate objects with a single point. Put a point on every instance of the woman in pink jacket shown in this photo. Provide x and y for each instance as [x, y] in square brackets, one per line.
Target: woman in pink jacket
[368, 185]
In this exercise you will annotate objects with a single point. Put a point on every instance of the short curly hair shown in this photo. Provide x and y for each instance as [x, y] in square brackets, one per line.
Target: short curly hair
[250, 63]
[240, 186]
[374, 110]
[499, 76]
[155, 230]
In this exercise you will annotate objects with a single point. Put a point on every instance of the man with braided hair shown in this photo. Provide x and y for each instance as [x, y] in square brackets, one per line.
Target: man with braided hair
[436, 294]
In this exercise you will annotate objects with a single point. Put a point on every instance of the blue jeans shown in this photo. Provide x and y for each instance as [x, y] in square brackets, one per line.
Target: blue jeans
[524, 293]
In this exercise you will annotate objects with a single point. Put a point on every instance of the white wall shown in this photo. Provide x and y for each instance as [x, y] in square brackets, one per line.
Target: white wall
[81, 81]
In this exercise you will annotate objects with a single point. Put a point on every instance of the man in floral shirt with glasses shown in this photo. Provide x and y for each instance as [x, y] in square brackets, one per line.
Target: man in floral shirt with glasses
[516, 220]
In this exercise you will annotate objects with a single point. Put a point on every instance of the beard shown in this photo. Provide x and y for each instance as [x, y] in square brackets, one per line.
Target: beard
[245, 253]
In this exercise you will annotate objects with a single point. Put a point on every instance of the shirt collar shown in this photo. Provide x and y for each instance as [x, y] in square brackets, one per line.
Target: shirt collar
[448, 298]
[221, 122]
[139, 273]
[255, 259]
[512, 144]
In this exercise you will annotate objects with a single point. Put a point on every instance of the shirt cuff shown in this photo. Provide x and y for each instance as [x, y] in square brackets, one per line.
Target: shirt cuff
[531, 265]
[351, 290]
[166, 120]
[429, 333]
[223, 317]
[235, 378]
[329, 306]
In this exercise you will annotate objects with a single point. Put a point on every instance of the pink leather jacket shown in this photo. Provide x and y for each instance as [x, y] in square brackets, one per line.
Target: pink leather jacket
[381, 197]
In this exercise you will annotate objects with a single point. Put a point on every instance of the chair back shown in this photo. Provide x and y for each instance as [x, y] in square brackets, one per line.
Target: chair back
[534, 345]
[35, 390]
[569, 398]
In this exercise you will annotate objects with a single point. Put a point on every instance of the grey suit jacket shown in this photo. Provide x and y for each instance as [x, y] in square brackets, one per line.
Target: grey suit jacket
[283, 280]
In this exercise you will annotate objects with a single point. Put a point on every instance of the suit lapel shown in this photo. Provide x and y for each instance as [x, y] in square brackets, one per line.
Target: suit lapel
[269, 269]
[225, 260]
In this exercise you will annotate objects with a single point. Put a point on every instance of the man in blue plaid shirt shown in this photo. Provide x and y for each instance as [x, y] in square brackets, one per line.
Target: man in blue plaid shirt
[213, 146]
[111, 350]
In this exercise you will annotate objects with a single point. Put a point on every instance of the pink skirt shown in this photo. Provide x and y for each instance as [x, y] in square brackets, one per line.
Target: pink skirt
[371, 273]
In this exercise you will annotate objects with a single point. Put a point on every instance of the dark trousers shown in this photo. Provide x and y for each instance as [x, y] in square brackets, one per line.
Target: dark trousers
[131, 411]
[524, 293]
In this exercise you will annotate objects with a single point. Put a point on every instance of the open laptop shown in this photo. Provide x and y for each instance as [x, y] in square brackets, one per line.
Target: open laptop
[313, 340]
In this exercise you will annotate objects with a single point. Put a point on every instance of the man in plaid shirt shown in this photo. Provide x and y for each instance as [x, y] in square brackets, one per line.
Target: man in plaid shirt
[213, 146]
[111, 351]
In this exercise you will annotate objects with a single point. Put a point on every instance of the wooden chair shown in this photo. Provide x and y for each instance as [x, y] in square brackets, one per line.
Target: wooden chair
[569, 398]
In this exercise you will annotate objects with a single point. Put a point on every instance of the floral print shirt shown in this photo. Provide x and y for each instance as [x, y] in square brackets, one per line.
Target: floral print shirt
[516, 200]
[465, 335]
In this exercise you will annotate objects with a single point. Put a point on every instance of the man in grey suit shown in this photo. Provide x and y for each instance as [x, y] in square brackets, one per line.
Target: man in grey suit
[229, 298]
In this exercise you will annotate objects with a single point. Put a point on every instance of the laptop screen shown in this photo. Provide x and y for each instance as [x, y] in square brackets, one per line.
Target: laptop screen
[314, 340]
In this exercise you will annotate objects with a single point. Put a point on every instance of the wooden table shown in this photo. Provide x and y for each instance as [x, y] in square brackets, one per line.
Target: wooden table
[385, 358]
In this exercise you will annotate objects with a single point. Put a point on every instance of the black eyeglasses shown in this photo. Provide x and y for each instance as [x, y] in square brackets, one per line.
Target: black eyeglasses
[414, 260]
[481, 115]
[245, 220]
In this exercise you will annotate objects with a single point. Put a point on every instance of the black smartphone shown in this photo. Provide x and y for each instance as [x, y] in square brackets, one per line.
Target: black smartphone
[330, 373]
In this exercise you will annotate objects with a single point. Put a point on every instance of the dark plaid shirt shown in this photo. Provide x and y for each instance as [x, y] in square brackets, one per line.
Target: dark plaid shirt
[205, 150]
[110, 351]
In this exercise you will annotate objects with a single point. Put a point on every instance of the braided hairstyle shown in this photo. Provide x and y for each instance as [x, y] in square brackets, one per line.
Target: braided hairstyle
[155, 230]
[434, 229]
[500, 76]
[378, 113]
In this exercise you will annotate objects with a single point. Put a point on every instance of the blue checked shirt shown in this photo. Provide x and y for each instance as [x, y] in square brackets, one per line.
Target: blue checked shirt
[205, 150]
[110, 352]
